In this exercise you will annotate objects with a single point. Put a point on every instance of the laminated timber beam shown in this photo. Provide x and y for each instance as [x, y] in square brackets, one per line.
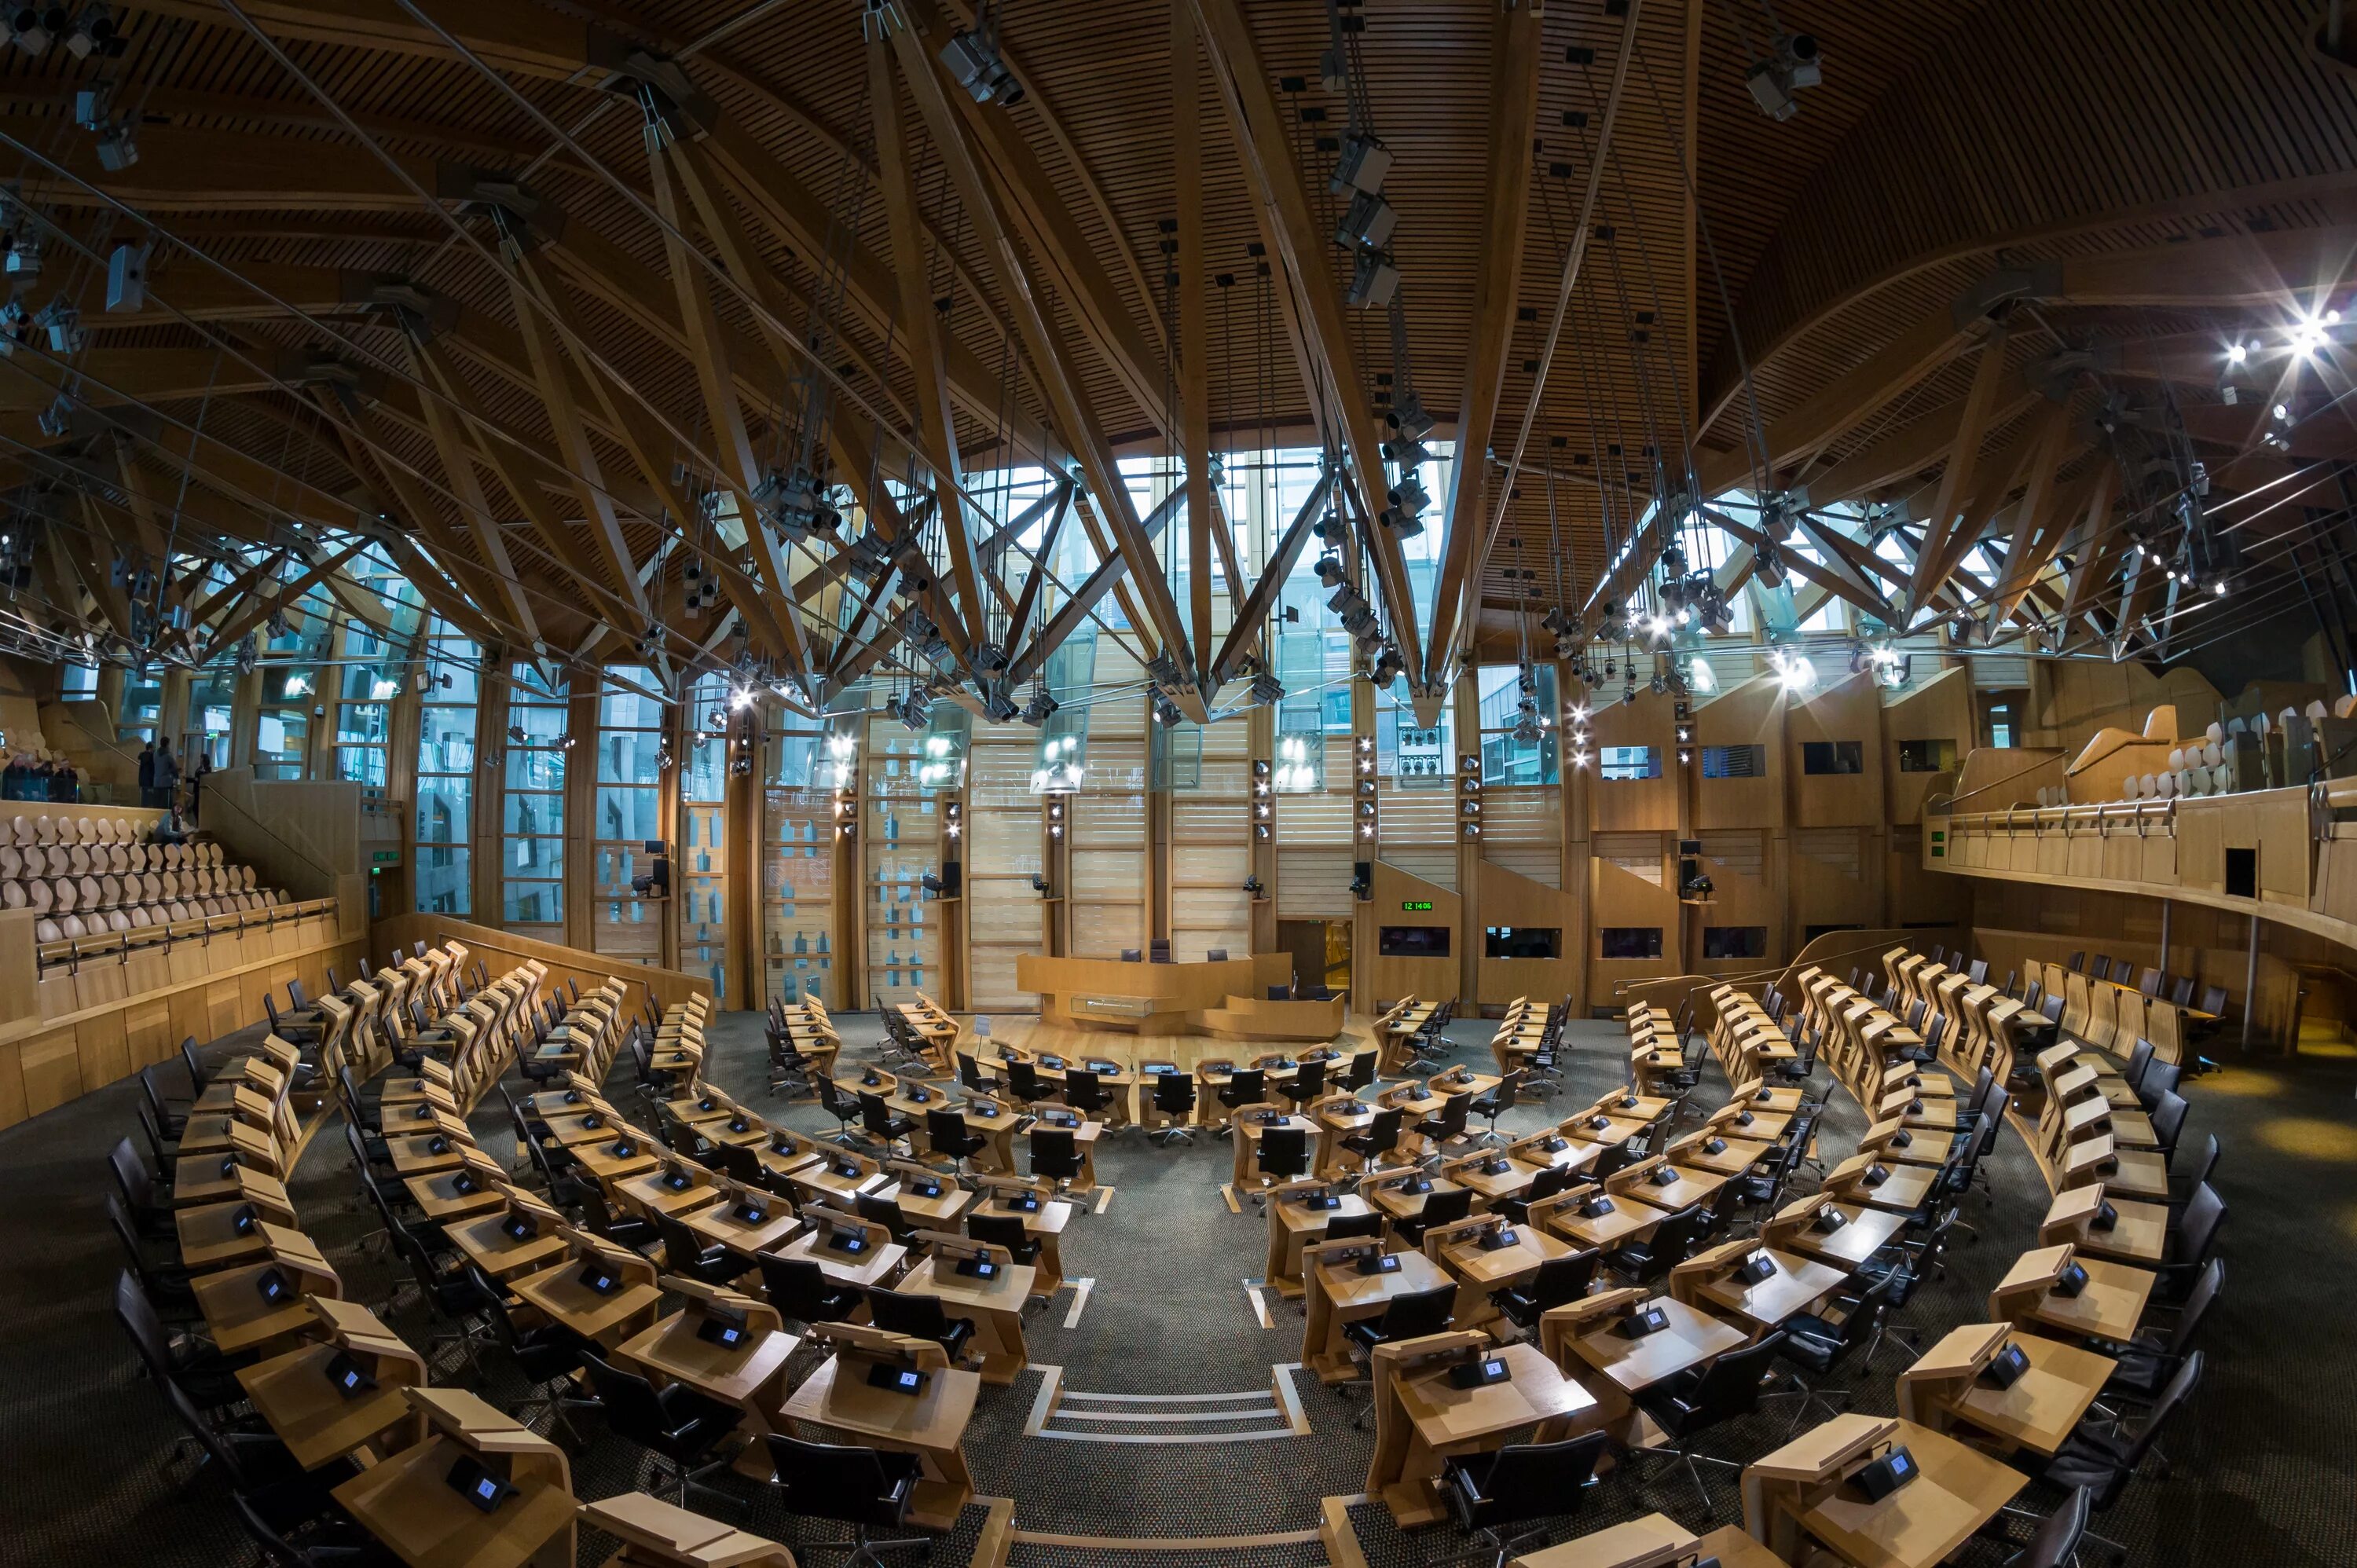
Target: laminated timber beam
[1051, 360]
[1295, 243]
[1515, 52]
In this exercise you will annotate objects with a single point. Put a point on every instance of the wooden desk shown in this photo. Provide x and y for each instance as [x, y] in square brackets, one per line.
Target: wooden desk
[1797, 1492]
[749, 1375]
[2138, 1234]
[1656, 1541]
[870, 1266]
[994, 1305]
[650, 1192]
[487, 1244]
[2108, 1307]
[1420, 1415]
[655, 1534]
[239, 1319]
[1797, 1284]
[558, 1294]
[1479, 1270]
[1248, 1133]
[2038, 1411]
[1044, 1227]
[209, 1238]
[1338, 1294]
[931, 1424]
[1866, 1232]
[1292, 1226]
[407, 1503]
[608, 1167]
[317, 1423]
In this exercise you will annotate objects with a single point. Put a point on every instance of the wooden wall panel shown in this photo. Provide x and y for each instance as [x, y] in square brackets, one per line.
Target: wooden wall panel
[1752, 713]
[1848, 710]
[1940, 709]
[1632, 805]
[1508, 899]
[1385, 980]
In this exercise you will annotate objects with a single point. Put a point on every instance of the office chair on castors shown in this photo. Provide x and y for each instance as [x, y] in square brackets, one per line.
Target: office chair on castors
[1518, 1485]
[867, 1489]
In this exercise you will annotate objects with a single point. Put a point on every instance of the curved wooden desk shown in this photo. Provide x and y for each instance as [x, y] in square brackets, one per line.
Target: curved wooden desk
[1227, 999]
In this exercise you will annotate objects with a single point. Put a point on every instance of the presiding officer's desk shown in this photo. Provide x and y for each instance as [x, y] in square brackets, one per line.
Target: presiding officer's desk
[1227, 997]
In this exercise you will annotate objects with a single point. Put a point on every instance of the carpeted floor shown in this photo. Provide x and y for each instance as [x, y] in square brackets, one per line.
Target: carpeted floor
[96, 1476]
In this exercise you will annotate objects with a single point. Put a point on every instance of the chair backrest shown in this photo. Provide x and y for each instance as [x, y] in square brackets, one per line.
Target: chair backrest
[2197, 1227]
[1567, 1278]
[1731, 1387]
[1548, 1183]
[2186, 1379]
[1446, 1208]
[1539, 1480]
[1284, 1151]
[1006, 1230]
[131, 1174]
[797, 1287]
[1419, 1313]
[1082, 1090]
[823, 1481]
[918, 1316]
[2055, 1541]
[137, 1315]
[2140, 1059]
[632, 1408]
[2197, 1305]
[1174, 1093]
[1054, 1151]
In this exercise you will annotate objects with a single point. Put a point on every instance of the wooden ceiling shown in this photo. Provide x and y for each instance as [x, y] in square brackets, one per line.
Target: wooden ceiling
[414, 272]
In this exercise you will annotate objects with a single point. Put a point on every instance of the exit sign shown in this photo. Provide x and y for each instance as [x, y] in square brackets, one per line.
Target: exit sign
[1417, 906]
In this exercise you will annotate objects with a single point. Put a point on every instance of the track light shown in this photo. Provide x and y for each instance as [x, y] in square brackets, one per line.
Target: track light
[974, 59]
[1373, 280]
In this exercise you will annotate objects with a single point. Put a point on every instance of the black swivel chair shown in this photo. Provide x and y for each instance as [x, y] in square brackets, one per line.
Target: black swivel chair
[1006, 1230]
[1520, 1484]
[680, 1426]
[1410, 1317]
[946, 1135]
[1082, 1092]
[878, 1209]
[1173, 1096]
[802, 1292]
[1558, 1280]
[1284, 1153]
[1648, 1262]
[1449, 1125]
[1055, 1154]
[867, 1489]
[687, 1254]
[920, 1318]
[2145, 1365]
[1690, 1404]
[1245, 1086]
[1382, 1136]
[546, 1356]
[1553, 1179]
[1439, 1208]
[1024, 1083]
[1497, 1103]
[1818, 1345]
[2104, 1462]
[877, 1119]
